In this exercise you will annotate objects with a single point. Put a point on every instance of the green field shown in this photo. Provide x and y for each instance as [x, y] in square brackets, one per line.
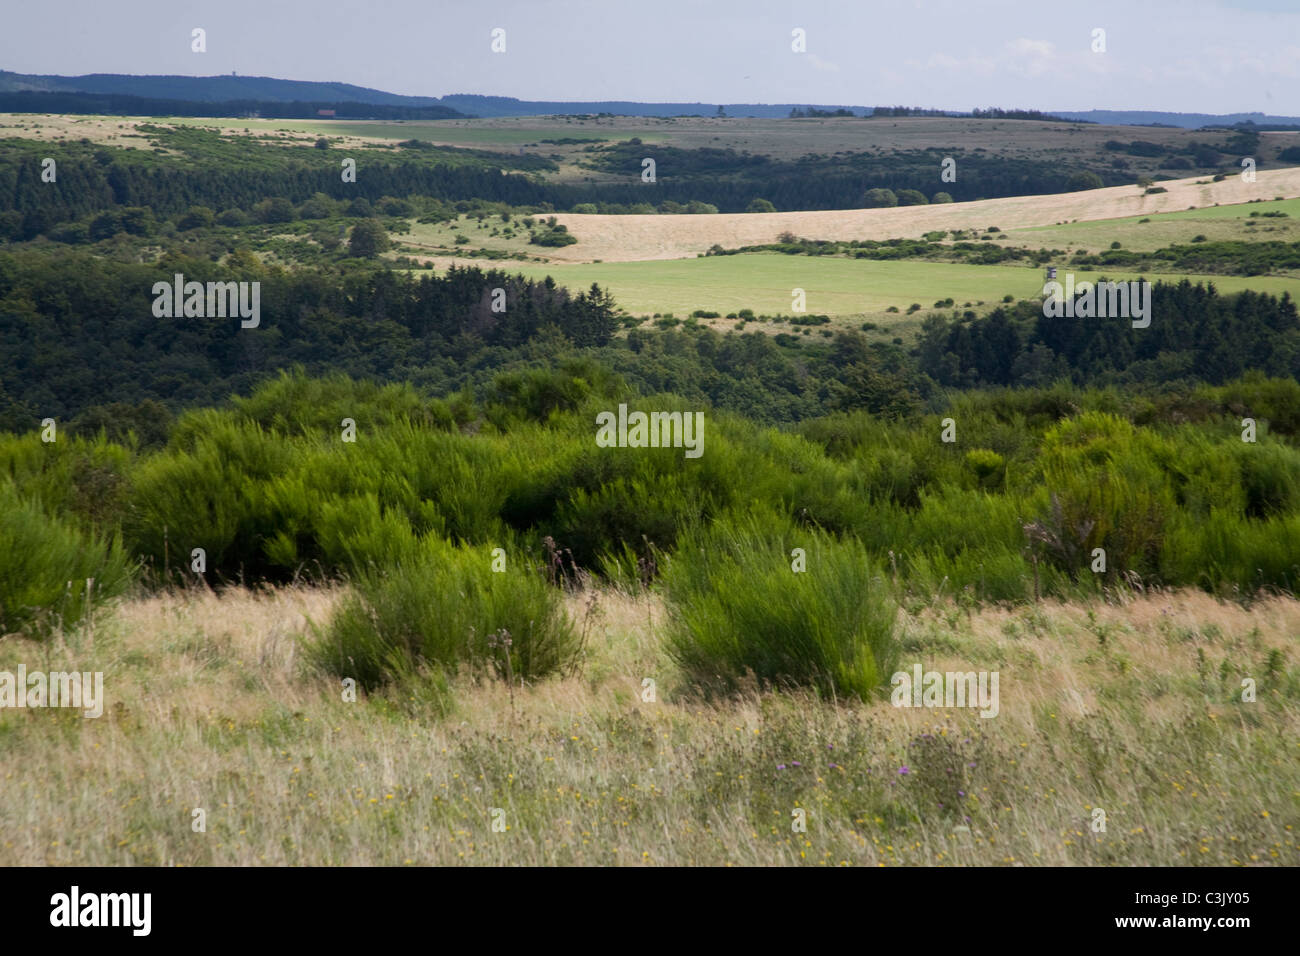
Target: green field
[1216, 223]
[837, 287]
[439, 238]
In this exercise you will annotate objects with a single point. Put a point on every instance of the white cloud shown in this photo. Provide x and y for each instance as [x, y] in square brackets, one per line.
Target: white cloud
[825, 66]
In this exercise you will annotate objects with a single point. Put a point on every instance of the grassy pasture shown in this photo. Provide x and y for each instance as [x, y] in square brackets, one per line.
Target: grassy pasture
[210, 702]
[836, 287]
[1168, 228]
[440, 237]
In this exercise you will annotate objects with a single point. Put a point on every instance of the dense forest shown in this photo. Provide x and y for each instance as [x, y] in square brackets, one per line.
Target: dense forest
[236, 173]
[78, 331]
[732, 180]
[1195, 334]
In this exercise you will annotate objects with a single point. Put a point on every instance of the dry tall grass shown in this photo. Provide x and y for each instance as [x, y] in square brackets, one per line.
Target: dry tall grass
[1135, 710]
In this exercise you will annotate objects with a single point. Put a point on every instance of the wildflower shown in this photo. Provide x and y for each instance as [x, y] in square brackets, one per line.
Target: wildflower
[903, 771]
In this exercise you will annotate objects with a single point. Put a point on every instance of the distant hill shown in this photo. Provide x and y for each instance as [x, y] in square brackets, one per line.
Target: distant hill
[121, 104]
[221, 89]
[227, 89]
[212, 89]
[509, 106]
[1183, 120]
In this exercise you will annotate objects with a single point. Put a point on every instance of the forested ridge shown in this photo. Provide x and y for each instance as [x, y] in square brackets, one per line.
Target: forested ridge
[79, 331]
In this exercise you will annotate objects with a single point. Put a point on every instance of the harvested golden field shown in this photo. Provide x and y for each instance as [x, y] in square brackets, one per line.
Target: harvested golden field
[125, 132]
[629, 238]
[1133, 709]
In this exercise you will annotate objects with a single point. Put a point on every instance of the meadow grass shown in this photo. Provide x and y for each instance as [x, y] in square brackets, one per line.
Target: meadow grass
[1147, 233]
[835, 287]
[1131, 708]
[492, 233]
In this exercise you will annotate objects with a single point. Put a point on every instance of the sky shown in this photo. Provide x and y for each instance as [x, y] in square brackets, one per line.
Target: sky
[1203, 56]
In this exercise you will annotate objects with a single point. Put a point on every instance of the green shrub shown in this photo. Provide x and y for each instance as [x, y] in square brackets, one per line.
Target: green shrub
[442, 606]
[736, 607]
[85, 480]
[986, 573]
[211, 495]
[294, 403]
[1105, 490]
[45, 564]
[554, 236]
[988, 467]
[1230, 555]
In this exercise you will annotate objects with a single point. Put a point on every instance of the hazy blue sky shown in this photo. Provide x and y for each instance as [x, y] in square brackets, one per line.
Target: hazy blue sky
[1213, 56]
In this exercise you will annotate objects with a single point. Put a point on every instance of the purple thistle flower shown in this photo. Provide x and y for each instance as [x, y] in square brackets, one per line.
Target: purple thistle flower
[903, 771]
[780, 766]
[795, 763]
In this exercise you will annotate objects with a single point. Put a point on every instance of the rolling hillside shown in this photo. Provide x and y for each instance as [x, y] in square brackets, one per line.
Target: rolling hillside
[628, 238]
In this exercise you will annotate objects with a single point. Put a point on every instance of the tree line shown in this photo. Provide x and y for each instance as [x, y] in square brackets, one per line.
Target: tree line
[78, 331]
[1196, 334]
